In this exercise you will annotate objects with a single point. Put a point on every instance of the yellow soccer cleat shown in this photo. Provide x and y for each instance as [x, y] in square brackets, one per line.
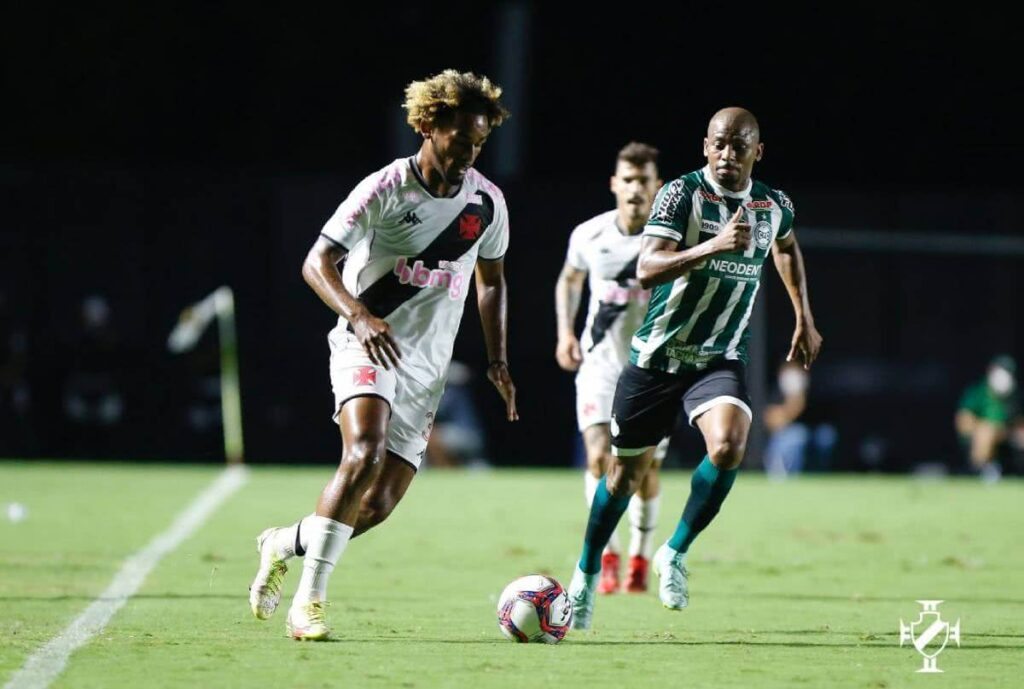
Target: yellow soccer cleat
[265, 591]
[308, 622]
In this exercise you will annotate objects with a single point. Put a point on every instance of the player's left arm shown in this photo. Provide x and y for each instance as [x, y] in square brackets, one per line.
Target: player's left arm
[492, 301]
[789, 262]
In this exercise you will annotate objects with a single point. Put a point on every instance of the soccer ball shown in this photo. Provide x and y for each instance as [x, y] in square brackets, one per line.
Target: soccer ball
[534, 608]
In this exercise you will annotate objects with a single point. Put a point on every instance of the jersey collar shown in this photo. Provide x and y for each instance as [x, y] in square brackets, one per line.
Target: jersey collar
[722, 191]
[423, 183]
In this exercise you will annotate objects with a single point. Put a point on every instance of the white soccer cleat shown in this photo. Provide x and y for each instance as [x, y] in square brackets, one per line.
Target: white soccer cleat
[265, 591]
[582, 591]
[671, 570]
[308, 622]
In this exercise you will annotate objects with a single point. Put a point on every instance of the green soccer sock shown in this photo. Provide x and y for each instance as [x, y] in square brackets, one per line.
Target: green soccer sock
[708, 489]
[605, 513]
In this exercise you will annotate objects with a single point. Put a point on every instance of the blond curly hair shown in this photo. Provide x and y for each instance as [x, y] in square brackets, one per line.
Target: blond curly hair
[451, 90]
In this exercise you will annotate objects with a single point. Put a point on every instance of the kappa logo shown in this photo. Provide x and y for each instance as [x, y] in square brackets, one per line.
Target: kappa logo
[469, 226]
[411, 218]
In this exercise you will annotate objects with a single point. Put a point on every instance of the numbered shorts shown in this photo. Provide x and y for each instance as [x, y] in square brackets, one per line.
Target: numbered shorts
[647, 401]
[412, 404]
[595, 393]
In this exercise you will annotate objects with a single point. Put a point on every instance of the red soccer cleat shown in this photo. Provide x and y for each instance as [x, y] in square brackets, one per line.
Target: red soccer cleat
[636, 575]
[609, 574]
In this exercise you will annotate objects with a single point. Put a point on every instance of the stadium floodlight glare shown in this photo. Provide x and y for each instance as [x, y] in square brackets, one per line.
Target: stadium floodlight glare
[192, 323]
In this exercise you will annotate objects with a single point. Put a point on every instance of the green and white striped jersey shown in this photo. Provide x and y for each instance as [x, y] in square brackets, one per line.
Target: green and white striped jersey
[703, 315]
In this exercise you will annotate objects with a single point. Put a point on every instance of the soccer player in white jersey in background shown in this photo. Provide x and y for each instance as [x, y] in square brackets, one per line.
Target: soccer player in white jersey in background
[605, 250]
[411, 235]
[703, 248]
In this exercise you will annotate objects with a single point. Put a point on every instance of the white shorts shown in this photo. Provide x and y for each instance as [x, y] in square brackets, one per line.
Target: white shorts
[595, 391]
[412, 404]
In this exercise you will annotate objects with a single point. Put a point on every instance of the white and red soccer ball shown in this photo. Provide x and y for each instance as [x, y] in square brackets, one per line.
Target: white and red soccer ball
[535, 609]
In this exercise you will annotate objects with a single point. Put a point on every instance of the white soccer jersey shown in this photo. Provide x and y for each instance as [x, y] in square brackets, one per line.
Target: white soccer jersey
[411, 257]
[617, 302]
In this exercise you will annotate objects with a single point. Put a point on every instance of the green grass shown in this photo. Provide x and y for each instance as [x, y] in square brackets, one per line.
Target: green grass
[798, 584]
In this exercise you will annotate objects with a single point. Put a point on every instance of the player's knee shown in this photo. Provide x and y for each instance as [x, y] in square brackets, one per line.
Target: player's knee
[363, 459]
[725, 451]
[622, 479]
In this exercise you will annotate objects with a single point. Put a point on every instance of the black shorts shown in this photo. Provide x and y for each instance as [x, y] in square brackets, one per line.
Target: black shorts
[647, 401]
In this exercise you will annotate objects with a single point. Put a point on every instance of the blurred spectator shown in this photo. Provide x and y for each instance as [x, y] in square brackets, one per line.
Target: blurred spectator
[15, 394]
[458, 436]
[93, 396]
[989, 419]
[799, 438]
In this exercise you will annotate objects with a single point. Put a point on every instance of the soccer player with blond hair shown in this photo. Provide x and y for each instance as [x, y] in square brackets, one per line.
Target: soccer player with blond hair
[411, 236]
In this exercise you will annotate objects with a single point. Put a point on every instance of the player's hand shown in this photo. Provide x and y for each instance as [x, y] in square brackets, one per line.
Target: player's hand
[806, 344]
[568, 353]
[735, 236]
[499, 375]
[375, 336]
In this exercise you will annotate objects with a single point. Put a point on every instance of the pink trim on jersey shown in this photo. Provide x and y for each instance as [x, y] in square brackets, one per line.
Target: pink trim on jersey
[386, 179]
[484, 184]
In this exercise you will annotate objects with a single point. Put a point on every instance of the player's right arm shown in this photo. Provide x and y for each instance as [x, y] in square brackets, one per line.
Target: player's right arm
[351, 224]
[320, 270]
[660, 262]
[568, 293]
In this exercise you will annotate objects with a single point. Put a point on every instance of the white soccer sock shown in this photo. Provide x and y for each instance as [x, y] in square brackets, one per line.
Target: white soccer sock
[327, 541]
[284, 540]
[643, 517]
[589, 488]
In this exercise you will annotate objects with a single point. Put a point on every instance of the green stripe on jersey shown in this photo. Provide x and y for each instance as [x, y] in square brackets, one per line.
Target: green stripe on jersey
[709, 315]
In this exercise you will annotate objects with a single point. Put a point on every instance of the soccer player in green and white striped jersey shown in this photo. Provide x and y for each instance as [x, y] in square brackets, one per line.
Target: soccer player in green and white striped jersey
[703, 249]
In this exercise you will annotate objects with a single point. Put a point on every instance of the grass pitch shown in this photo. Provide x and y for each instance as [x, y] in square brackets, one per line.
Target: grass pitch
[795, 584]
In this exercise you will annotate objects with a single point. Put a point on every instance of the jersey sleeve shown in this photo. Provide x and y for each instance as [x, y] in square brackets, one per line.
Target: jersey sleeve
[495, 240]
[670, 213]
[972, 400]
[575, 256]
[788, 213]
[357, 214]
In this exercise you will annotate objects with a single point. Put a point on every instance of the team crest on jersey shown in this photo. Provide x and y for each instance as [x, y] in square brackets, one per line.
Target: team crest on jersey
[469, 226]
[763, 234]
